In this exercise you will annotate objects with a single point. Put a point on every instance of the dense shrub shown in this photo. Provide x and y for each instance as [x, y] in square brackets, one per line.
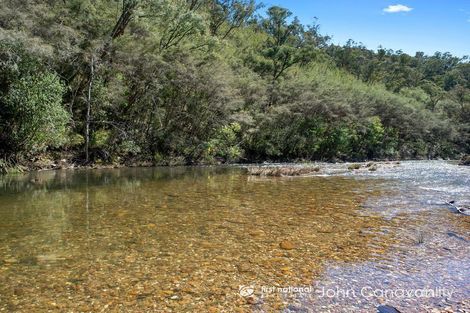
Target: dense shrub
[32, 115]
[209, 81]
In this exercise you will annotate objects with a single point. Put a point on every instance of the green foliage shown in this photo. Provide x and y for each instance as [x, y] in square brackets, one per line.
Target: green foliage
[32, 116]
[178, 81]
[129, 147]
[100, 138]
[7, 167]
[287, 44]
[227, 15]
[225, 144]
[75, 140]
[177, 21]
[35, 118]
[374, 136]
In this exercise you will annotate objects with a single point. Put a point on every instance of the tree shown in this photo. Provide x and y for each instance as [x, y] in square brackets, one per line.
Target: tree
[229, 13]
[178, 21]
[287, 44]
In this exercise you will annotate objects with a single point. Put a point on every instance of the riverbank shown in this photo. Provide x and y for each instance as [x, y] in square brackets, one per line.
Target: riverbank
[295, 168]
[291, 168]
[47, 162]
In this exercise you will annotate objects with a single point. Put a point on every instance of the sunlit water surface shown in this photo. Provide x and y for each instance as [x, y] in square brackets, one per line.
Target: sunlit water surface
[186, 239]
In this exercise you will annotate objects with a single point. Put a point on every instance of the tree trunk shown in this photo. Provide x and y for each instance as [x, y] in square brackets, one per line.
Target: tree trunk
[88, 112]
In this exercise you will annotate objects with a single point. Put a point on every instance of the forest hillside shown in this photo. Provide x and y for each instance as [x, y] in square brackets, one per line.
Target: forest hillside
[207, 81]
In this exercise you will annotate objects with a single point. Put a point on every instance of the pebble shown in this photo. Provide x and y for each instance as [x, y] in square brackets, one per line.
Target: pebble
[286, 245]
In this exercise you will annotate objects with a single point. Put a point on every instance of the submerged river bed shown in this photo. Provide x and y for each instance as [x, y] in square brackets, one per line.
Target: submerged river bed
[217, 240]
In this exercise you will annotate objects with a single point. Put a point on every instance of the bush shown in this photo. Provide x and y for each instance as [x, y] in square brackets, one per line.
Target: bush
[35, 116]
[32, 117]
[225, 145]
[75, 140]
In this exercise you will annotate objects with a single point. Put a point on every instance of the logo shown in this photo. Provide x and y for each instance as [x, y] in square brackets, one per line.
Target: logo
[246, 291]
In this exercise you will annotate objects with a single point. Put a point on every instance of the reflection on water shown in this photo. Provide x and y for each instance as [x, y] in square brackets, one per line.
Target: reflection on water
[186, 239]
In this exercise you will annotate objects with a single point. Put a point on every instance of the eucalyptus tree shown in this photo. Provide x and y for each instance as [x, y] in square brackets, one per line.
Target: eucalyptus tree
[228, 15]
[287, 44]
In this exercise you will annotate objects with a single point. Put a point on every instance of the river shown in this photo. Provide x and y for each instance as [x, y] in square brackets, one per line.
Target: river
[213, 239]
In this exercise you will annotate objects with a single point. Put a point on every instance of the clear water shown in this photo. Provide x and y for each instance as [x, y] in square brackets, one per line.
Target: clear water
[187, 239]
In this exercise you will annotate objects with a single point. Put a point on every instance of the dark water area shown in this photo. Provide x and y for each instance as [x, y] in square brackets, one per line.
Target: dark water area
[217, 240]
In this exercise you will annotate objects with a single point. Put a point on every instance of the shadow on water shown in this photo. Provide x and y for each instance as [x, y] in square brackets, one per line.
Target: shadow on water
[63, 179]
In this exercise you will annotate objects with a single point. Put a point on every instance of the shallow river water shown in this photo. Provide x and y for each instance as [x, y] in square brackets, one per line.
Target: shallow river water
[217, 240]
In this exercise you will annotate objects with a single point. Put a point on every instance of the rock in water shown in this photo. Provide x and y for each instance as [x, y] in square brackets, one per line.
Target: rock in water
[465, 160]
[387, 309]
[452, 234]
[282, 170]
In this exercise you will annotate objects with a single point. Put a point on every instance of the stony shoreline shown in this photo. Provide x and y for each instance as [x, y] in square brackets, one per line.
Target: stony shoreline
[294, 168]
